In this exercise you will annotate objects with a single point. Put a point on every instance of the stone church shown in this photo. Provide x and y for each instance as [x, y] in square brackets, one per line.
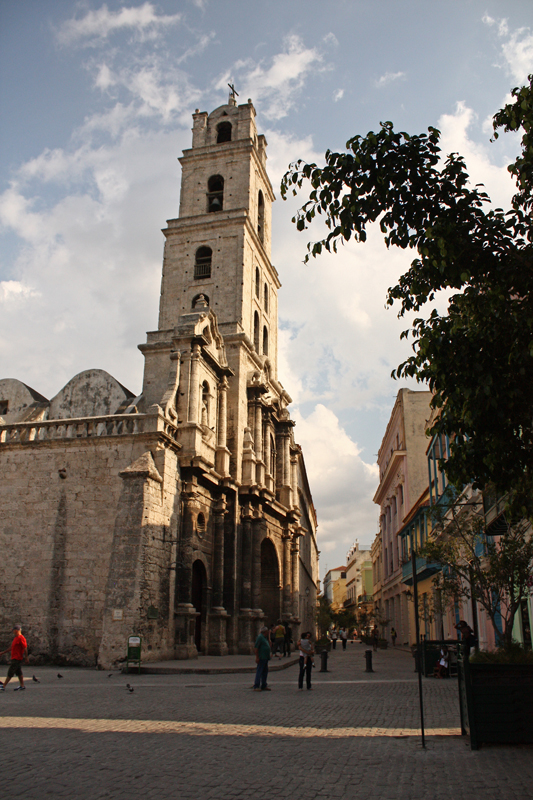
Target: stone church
[184, 514]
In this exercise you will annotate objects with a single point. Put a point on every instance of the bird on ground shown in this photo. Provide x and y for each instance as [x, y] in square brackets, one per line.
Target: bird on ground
[128, 686]
[110, 675]
[59, 675]
[35, 680]
[131, 689]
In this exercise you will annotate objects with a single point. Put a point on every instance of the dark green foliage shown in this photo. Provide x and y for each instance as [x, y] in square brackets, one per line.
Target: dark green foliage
[478, 357]
[515, 654]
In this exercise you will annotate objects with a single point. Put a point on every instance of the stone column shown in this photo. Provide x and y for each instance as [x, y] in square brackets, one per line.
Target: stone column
[258, 527]
[258, 441]
[269, 482]
[218, 555]
[246, 596]
[185, 613]
[246, 633]
[294, 481]
[287, 576]
[218, 616]
[222, 455]
[194, 385]
[295, 563]
[286, 459]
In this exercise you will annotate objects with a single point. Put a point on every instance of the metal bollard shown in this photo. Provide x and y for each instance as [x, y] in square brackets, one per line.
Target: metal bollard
[324, 661]
[368, 656]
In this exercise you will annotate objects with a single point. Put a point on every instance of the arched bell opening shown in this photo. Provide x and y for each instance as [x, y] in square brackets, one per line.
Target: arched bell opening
[199, 601]
[215, 193]
[270, 582]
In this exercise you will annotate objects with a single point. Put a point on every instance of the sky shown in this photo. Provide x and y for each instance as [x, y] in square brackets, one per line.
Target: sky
[96, 101]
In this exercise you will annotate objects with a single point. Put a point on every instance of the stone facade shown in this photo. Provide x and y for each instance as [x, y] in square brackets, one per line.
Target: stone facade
[184, 514]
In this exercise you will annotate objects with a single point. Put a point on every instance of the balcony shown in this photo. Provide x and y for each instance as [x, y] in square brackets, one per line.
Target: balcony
[424, 569]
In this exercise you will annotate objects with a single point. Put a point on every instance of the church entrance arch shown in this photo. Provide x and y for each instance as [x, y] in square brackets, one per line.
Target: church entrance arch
[199, 601]
[270, 583]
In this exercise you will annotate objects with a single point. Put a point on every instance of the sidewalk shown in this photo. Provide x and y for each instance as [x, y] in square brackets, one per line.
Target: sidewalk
[211, 665]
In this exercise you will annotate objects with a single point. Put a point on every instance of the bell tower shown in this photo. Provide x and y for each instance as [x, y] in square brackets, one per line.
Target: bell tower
[220, 244]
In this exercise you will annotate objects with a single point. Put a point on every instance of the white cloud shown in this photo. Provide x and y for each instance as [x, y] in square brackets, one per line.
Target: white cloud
[338, 95]
[479, 158]
[275, 85]
[331, 39]
[517, 48]
[342, 483]
[98, 24]
[389, 77]
[14, 291]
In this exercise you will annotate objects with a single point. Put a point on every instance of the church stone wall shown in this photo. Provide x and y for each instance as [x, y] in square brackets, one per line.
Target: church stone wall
[58, 544]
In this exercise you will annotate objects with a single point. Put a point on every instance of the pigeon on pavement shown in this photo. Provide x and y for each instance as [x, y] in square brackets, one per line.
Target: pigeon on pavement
[59, 675]
[35, 680]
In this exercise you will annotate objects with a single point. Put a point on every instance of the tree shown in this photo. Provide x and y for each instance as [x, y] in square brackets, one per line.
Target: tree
[494, 573]
[323, 616]
[477, 358]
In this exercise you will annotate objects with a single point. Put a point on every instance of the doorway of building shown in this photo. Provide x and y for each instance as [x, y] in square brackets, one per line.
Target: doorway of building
[198, 599]
[270, 582]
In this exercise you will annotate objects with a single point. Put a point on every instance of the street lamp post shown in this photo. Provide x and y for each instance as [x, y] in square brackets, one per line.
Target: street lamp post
[417, 632]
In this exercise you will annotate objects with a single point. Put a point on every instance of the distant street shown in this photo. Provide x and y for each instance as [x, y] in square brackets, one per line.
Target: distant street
[86, 736]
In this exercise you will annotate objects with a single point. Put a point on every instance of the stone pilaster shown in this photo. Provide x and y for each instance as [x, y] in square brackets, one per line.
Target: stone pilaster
[194, 384]
[185, 613]
[287, 576]
[246, 629]
[222, 453]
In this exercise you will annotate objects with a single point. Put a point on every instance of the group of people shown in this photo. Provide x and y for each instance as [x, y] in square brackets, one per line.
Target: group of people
[280, 637]
[334, 636]
[268, 644]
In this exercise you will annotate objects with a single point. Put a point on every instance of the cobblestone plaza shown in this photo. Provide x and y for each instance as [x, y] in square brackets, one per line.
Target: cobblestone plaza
[209, 736]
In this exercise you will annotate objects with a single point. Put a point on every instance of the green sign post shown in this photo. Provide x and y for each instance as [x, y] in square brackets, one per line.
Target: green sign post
[133, 652]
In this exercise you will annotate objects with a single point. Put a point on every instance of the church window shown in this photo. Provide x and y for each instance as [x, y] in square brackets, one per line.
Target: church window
[256, 331]
[265, 341]
[260, 216]
[224, 132]
[257, 282]
[202, 262]
[205, 403]
[200, 523]
[265, 298]
[215, 193]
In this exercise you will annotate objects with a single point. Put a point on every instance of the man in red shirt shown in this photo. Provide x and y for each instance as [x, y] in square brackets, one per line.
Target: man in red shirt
[19, 652]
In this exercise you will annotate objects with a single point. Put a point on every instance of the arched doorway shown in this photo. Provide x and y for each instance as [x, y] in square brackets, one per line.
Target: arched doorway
[198, 599]
[270, 588]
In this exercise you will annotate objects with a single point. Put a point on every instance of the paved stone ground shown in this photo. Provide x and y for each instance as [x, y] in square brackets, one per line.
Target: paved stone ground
[85, 736]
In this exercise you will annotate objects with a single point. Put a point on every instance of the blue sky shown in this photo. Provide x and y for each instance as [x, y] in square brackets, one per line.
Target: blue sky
[96, 103]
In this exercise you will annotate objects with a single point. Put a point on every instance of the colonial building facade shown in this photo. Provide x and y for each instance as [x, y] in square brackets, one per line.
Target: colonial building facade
[183, 514]
[402, 466]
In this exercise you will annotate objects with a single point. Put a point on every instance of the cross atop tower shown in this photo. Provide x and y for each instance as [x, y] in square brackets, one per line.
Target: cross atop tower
[233, 94]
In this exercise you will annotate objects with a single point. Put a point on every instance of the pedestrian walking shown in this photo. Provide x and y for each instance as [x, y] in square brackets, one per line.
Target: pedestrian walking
[467, 637]
[306, 660]
[333, 636]
[19, 653]
[279, 638]
[344, 637]
[375, 637]
[262, 657]
[393, 636]
[287, 641]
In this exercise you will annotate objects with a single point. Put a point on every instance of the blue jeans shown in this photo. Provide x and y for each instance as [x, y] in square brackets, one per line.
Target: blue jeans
[261, 673]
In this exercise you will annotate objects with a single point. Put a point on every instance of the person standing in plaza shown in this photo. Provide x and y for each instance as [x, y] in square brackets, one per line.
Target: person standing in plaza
[262, 657]
[343, 633]
[375, 637]
[393, 636]
[333, 637]
[279, 638]
[306, 660]
[19, 652]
